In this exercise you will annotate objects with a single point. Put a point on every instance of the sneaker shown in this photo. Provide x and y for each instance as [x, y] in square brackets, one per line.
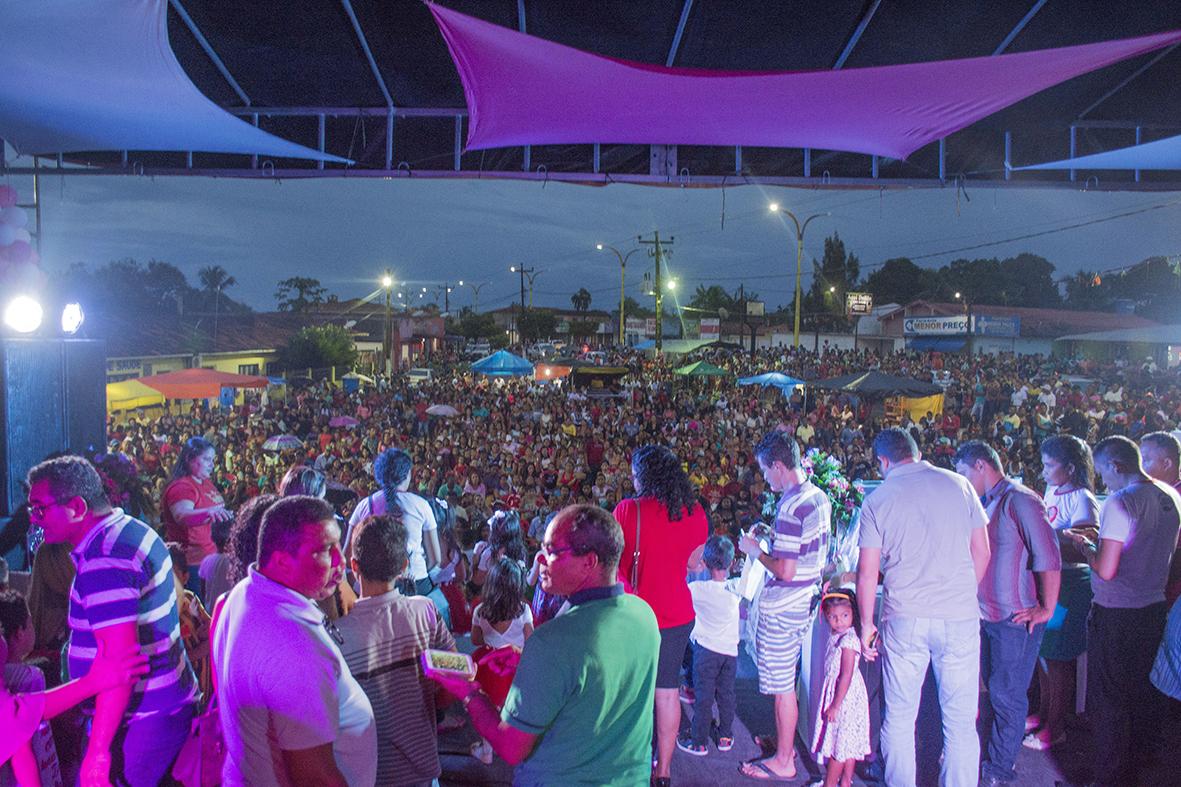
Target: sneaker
[687, 695]
[725, 744]
[1032, 722]
[685, 744]
[482, 751]
[1039, 742]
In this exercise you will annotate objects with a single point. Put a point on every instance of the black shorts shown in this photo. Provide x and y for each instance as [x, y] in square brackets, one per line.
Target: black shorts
[673, 641]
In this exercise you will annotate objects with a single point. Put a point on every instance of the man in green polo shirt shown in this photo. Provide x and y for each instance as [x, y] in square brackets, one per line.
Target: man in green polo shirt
[580, 707]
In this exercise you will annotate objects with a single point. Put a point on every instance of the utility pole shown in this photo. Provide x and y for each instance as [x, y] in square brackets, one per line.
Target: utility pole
[521, 270]
[476, 295]
[657, 253]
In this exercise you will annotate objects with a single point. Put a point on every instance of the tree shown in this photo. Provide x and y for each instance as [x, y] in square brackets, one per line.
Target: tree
[213, 280]
[299, 294]
[714, 298]
[583, 329]
[317, 347]
[581, 300]
[157, 288]
[899, 281]
[632, 308]
[476, 326]
[536, 324]
[835, 274]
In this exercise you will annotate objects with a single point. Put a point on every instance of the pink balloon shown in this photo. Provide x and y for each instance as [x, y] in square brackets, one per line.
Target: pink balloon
[7, 196]
[19, 251]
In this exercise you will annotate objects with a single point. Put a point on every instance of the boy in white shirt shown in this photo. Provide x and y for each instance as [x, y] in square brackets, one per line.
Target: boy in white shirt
[715, 649]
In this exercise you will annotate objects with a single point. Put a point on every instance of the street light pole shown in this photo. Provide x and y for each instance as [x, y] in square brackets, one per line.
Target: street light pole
[657, 253]
[532, 277]
[476, 297]
[387, 282]
[622, 274]
[800, 228]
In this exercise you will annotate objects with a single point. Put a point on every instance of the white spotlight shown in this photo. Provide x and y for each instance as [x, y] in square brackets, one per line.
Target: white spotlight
[23, 314]
[72, 318]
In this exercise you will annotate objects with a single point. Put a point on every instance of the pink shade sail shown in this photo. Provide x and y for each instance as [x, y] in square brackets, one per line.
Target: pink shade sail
[523, 90]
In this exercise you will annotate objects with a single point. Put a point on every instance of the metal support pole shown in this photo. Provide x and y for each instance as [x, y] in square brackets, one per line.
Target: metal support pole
[527, 161]
[37, 201]
[458, 140]
[597, 153]
[942, 160]
[799, 272]
[874, 166]
[254, 157]
[657, 254]
[1073, 132]
[1008, 155]
[738, 159]
[320, 140]
[1136, 173]
[807, 162]
[389, 140]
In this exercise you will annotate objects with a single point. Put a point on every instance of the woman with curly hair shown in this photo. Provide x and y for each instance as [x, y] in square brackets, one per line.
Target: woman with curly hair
[244, 537]
[672, 529]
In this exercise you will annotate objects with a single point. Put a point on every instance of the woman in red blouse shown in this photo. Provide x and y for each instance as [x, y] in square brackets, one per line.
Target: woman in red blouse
[191, 502]
[673, 529]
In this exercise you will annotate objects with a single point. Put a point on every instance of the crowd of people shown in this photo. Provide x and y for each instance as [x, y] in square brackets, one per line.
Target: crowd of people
[291, 594]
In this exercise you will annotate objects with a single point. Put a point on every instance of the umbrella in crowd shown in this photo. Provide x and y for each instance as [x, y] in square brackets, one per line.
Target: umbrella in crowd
[443, 410]
[282, 442]
[701, 369]
[343, 420]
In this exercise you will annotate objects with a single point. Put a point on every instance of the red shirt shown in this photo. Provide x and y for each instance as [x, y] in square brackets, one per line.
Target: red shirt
[665, 548]
[197, 540]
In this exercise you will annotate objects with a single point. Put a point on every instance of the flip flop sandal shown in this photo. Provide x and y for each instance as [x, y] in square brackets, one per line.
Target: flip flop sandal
[770, 776]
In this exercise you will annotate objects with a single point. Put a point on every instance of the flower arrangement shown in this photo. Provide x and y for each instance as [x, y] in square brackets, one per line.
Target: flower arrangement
[846, 497]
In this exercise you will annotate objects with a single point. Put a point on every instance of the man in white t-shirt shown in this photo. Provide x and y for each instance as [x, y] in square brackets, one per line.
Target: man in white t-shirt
[288, 703]
[391, 470]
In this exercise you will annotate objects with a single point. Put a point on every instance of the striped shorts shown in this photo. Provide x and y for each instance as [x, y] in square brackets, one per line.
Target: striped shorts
[784, 615]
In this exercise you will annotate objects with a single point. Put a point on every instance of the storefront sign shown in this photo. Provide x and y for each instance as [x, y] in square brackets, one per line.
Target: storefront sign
[987, 325]
[858, 304]
[935, 326]
[711, 327]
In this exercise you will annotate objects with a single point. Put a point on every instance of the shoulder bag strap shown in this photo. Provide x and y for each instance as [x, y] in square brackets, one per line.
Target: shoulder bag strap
[635, 573]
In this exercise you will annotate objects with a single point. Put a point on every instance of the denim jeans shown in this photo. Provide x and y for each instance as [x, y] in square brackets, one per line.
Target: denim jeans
[1008, 654]
[952, 648]
[144, 750]
[713, 678]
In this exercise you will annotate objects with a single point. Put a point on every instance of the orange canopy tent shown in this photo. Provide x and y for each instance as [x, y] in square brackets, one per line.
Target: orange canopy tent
[199, 383]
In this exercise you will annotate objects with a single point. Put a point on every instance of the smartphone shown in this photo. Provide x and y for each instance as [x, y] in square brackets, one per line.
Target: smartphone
[447, 662]
[873, 640]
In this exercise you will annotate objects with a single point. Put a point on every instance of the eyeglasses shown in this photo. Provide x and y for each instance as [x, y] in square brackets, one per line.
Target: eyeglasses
[37, 510]
[333, 631]
[549, 551]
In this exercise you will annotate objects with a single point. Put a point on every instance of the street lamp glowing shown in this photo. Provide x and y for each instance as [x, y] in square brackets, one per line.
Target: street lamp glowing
[23, 314]
[957, 296]
[672, 285]
[512, 269]
[72, 318]
[599, 246]
[461, 282]
[387, 281]
[832, 289]
[773, 207]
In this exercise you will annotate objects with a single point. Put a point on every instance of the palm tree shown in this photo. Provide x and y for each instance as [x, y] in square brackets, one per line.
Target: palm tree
[581, 300]
[214, 279]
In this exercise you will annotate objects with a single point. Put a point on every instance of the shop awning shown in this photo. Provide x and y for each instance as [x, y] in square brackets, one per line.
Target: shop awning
[936, 343]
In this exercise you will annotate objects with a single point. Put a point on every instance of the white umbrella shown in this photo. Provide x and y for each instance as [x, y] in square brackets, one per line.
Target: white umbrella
[444, 410]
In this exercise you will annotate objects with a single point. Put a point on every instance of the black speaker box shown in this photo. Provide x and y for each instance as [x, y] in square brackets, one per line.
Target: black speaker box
[52, 398]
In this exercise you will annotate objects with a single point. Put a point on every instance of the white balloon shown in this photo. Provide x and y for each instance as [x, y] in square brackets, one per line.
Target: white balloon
[14, 216]
[23, 234]
[7, 234]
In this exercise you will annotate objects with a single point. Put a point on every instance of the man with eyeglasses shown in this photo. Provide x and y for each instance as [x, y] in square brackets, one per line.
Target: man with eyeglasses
[290, 709]
[122, 599]
[580, 707]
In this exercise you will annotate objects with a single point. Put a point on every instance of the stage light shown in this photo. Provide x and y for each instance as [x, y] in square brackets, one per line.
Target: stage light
[72, 317]
[23, 314]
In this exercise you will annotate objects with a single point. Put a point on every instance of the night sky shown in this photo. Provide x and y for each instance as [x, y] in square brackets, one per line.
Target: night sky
[345, 232]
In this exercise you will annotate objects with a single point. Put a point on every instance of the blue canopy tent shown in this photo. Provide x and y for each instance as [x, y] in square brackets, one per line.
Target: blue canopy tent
[783, 382]
[503, 363]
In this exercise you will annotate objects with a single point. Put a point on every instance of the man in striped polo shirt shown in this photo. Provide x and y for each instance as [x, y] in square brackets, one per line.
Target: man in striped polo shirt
[797, 558]
[123, 597]
[1017, 596]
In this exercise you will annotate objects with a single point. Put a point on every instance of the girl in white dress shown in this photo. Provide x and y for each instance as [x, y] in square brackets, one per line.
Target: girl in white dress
[842, 724]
